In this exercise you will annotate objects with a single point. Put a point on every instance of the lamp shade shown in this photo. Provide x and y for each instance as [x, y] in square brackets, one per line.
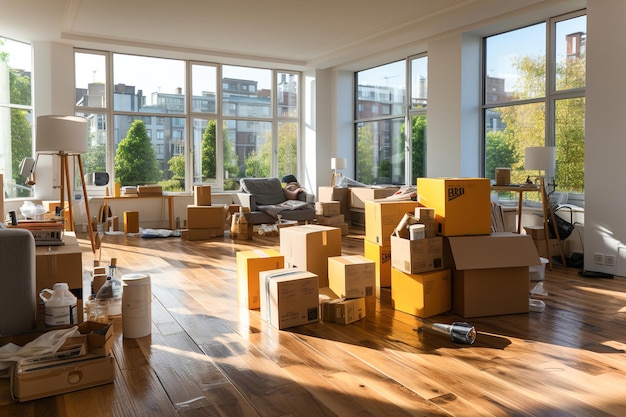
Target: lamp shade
[338, 163]
[62, 134]
[541, 158]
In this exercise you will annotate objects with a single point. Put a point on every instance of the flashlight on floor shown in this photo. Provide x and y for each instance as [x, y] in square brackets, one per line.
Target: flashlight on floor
[459, 332]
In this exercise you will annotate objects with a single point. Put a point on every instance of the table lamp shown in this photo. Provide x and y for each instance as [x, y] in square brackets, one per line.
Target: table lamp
[541, 158]
[65, 136]
[337, 164]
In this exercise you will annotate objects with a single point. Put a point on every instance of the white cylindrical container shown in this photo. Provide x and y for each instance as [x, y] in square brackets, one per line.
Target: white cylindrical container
[136, 305]
[417, 231]
[60, 306]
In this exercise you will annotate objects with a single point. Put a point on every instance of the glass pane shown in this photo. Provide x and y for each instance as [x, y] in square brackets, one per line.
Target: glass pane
[203, 88]
[95, 158]
[418, 148]
[148, 85]
[508, 132]
[516, 65]
[150, 150]
[419, 83]
[90, 70]
[570, 144]
[18, 133]
[380, 152]
[571, 53]
[287, 149]
[287, 96]
[247, 92]
[204, 151]
[381, 91]
[15, 71]
[251, 155]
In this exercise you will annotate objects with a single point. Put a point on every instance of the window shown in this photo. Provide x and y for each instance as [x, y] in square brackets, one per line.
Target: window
[16, 113]
[173, 122]
[535, 97]
[380, 124]
[418, 84]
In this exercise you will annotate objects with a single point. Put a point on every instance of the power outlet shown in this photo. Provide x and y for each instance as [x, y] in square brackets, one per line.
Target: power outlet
[609, 260]
[598, 259]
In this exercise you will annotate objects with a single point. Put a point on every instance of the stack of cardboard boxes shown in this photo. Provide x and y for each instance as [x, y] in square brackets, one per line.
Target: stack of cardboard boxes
[204, 221]
[328, 213]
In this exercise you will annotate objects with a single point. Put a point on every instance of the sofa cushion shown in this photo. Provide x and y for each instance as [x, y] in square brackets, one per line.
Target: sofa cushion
[266, 191]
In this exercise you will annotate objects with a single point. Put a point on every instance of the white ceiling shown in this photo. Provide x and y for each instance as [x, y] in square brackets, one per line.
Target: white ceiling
[298, 34]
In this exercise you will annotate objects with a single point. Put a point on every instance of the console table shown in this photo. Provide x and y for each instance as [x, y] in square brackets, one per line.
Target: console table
[169, 199]
[546, 208]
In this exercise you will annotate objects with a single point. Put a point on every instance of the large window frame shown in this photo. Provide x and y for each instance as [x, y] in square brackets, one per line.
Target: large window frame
[195, 117]
[548, 99]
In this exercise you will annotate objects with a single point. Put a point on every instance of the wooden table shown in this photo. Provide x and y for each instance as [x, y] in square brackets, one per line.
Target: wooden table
[168, 198]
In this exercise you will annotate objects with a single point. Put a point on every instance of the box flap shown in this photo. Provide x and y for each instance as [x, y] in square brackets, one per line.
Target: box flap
[497, 250]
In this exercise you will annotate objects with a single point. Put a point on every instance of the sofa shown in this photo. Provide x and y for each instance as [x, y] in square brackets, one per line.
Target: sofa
[267, 200]
[18, 305]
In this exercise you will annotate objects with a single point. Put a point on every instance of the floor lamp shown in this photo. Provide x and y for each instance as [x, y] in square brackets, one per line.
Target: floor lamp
[337, 164]
[66, 136]
[543, 158]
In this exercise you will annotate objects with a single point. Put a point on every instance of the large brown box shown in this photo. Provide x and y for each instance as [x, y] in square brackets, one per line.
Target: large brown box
[202, 195]
[342, 195]
[308, 247]
[382, 217]
[490, 274]
[150, 190]
[359, 195]
[381, 255]
[205, 217]
[61, 264]
[351, 276]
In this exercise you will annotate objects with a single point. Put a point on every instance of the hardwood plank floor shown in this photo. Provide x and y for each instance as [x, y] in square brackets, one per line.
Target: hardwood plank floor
[209, 356]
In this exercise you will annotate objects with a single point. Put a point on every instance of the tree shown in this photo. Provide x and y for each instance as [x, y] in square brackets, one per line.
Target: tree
[177, 169]
[135, 160]
[418, 147]
[365, 150]
[21, 129]
[501, 152]
[95, 159]
[209, 153]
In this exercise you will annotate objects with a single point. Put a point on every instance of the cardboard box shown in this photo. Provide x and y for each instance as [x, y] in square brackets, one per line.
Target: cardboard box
[205, 217]
[150, 190]
[289, 297]
[330, 220]
[328, 208]
[381, 255]
[422, 295]
[201, 234]
[536, 232]
[490, 273]
[382, 217]
[202, 195]
[359, 195]
[308, 247]
[503, 176]
[249, 264]
[553, 247]
[43, 379]
[351, 276]
[131, 222]
[415, 256]
[462, 205]
[343, 311]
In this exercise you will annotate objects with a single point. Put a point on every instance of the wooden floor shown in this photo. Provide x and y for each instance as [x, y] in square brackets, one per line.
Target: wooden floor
[208, 356]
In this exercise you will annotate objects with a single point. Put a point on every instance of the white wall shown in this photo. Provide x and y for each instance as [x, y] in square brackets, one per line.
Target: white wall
[605, 137]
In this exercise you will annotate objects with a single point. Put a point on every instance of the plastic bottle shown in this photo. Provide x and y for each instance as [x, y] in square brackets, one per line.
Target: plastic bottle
[60, 306]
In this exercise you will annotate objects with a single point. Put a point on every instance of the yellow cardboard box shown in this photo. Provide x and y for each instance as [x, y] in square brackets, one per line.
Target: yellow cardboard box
[381, 255]
[249, 264]
[415, 256]
[131, 222]
[422, 295]
[462, 205]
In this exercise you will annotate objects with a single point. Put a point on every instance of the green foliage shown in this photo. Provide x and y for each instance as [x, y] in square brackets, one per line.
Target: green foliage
[95, 159]
[418, 145]
[135, 160]
[209, 151]
[501, 153]
[177, 169]
[21, 145]
[365, 150]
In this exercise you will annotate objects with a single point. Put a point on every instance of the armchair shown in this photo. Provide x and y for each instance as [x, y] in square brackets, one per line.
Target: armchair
[266, 198]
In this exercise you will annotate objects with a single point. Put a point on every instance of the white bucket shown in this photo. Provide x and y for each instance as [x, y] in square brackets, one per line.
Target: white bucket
[538, 272]
[136, 305]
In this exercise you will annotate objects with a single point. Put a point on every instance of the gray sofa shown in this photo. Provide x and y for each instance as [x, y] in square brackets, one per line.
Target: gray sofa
[267, 199]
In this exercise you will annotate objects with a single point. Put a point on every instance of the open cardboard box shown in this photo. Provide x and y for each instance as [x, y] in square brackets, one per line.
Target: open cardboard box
[38, 379]
[490, 273]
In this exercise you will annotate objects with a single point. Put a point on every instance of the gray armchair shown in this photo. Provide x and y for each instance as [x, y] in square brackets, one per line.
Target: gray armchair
[266, 198]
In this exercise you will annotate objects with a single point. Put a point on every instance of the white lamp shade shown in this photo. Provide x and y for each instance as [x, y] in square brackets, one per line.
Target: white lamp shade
[62, 134]
[541, 158]
[338, 163]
